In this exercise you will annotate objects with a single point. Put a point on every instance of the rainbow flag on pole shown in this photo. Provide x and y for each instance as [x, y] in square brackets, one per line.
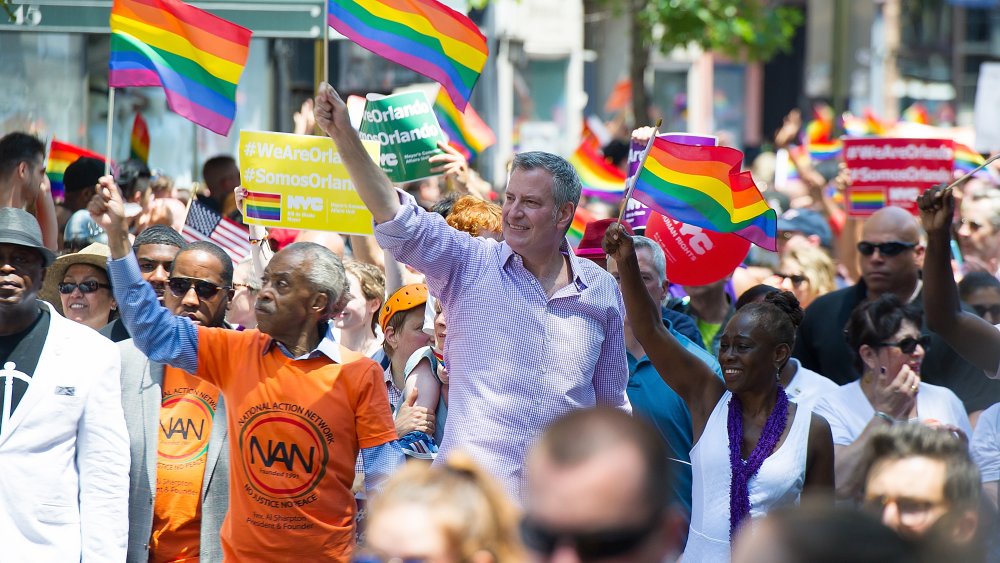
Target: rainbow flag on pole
[196, 57]
[139, 143]
[967, 160]
[703, 186]
[598, 176]
[425, 36]
[576, 229]
[263, 206]
[466, 131]
[62, 155]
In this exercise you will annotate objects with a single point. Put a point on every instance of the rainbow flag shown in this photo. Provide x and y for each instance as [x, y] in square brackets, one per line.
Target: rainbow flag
[580, 219]
[865, 200]
[598, 176]
[263, 206]
[425, 36]
[196, 57]
[139, 143]
[916, 113]
[62, 155]
[967, 160]
[826, 150]
[466, 131]
[703, 186]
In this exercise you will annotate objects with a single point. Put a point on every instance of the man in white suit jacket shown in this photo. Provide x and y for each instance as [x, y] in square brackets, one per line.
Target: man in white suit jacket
[64, 450]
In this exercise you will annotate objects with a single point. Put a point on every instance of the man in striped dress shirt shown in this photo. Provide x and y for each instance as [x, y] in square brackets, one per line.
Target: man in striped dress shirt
[533, 331]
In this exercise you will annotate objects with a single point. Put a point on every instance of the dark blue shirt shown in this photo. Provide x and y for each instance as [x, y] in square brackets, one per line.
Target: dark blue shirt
[655, 401]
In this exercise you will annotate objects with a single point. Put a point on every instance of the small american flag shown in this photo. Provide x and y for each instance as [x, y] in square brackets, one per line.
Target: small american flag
[204, 224]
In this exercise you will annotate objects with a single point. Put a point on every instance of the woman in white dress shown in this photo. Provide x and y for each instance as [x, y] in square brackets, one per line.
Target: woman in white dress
[753, 449]
[884, 335]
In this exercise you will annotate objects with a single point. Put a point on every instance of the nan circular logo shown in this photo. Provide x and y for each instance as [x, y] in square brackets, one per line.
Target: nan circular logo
[284, 454]
[186, 428]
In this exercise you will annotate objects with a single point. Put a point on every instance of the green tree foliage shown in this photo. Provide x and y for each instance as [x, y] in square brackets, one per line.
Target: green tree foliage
[754, 30]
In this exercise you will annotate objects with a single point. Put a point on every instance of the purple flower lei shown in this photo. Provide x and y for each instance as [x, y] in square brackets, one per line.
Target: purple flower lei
[743, 471]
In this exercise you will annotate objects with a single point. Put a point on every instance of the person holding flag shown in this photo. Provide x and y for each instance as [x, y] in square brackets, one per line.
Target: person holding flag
[535, 331]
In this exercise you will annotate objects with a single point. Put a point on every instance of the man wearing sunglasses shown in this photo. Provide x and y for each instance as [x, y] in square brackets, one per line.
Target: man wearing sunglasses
[604, 498]
[299, 408]
[63, 443]
[891, 256]
[179, 473]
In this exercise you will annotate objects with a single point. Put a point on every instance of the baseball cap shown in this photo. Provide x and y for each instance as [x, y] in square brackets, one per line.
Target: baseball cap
[807, 222]
[404, 299]
[19, 227]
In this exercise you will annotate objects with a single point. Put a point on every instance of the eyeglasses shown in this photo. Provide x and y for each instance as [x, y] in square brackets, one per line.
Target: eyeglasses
[982, 310]
[908, 345]
[912, 512]
[796, 279]
[203, 289]
[85, 287]
[893, 248]
[588, 545]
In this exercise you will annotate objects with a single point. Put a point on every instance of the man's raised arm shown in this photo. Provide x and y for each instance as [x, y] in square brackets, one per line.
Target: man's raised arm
[370, 181]
[972, 337]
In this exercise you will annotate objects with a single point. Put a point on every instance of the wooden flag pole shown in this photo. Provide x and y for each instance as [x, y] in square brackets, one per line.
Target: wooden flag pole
[977, 169]
[630, 184]
[111, 121]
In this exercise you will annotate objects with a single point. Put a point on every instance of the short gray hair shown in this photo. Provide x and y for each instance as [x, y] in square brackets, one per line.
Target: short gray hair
[659, 258]
[566, 185]
[325, 273]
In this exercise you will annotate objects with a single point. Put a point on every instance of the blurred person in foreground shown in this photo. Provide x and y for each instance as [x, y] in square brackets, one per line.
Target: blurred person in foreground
[813, 533]
[454, 512]
[605, 498]
[923, 484]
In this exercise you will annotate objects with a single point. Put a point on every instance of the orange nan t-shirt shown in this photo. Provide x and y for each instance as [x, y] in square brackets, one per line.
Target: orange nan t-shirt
[295, 427]
[186, 415]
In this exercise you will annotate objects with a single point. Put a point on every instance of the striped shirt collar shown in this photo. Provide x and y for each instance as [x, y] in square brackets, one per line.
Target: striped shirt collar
[327, 346]
[506, 253]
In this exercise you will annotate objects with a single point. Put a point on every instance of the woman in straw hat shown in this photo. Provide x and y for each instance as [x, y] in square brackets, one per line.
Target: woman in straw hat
[77, 285]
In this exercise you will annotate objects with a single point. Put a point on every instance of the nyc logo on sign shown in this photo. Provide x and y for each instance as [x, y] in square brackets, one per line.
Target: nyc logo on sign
[308, 203]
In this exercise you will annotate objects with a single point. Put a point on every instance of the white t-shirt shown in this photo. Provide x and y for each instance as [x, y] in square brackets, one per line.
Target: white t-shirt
[985, 444]
[807, 386]
[848, 411]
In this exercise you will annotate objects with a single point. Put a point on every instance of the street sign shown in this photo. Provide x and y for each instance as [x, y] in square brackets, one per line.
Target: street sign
[297, 19]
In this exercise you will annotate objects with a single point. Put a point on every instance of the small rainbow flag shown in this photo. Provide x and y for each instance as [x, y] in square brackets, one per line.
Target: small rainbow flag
[598, 176]
[826, 150]
[703, 186]
[967, 160]
[263, 206]
[139, 143]
[580, 219]
[425, 36]
[916, 113]
[865, 200]
[466, 131]
[62, 155]
[196, 57]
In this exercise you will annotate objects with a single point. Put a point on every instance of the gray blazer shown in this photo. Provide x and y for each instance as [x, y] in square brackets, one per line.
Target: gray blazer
[142, 394]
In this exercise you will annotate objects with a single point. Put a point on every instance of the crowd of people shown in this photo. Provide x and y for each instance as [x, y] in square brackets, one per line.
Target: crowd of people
[464, 387]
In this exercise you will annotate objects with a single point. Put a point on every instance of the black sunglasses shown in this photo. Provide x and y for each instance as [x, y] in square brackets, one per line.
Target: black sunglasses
[85, 287]
[588, 545]
[981, 310]
[203, 289]
[908, 345]
[885, 248]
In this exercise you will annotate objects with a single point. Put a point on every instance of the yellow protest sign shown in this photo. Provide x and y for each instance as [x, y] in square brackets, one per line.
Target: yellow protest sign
[299, 182]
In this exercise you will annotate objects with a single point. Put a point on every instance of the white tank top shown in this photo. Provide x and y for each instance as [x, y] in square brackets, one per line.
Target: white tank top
[778, 482]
